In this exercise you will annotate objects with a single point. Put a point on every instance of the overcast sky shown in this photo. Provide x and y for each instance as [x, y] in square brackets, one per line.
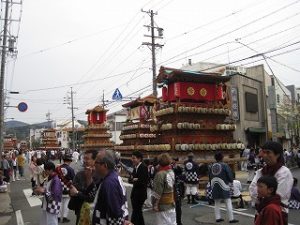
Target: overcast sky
[95, 46]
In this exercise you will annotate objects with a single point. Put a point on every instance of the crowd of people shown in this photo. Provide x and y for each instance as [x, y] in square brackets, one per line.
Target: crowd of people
[97, 194]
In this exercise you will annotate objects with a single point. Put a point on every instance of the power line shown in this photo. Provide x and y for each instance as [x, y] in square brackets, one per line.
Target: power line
[68, 42]
[230, 42]
[110, 92]
[214, 21]
[270, 25]
[109, 49]
[76, 115]
[256, 55]
[165, 5]
[234, 30]
[74, 84]
[111, 56]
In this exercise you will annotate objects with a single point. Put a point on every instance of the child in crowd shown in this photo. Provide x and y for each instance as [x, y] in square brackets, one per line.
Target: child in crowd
[236, 191]
[294, 202]
[15, 167]
[39, 175]
[268, 208]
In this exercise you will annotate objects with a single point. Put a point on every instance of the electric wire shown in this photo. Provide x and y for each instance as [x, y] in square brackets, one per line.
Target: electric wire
[112, 54]
[165, 5]
[230, 42]
[257, 55]
[107, 93]
[74, 84]
[109, 48]
[232, 31]
[105, 51]
[270, 25]
[68, 42]
[272, 50]
[81, 113]
[215, 20]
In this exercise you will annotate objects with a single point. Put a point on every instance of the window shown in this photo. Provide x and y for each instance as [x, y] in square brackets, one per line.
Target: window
[119, 125]
[278, 98]
[272, 81]
[251, 102]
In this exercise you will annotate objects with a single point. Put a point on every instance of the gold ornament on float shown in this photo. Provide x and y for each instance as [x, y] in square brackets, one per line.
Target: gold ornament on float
[190, 91]
[203, 92]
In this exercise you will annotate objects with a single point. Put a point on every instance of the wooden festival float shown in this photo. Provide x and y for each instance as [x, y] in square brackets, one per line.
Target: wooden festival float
[96, 134]
[194, 115]
[9, 143]
[136, 133]
[49, 140]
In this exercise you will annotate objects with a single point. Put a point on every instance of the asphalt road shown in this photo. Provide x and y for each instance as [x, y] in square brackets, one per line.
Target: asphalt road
[192, 215]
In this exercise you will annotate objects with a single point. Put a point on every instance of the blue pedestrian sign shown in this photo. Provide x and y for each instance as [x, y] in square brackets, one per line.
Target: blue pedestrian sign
[117, 96]
[22, 107]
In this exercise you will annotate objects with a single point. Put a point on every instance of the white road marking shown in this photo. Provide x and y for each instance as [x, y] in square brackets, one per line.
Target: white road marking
[19, 217]
[32, 200]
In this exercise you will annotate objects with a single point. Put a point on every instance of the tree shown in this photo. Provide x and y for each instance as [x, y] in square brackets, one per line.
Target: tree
[289, 120]
[36, 143]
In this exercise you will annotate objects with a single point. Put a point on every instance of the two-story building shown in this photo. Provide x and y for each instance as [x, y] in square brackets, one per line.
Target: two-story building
[116, 121]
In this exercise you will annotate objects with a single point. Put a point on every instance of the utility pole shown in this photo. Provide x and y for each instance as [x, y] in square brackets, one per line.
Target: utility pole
[153, 46]
[48, 118]
[103, 100]
[73, 128]
[3, 63]
[7, 47]
[70, 101]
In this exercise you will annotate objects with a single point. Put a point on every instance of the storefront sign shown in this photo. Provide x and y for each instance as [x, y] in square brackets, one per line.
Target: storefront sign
[235, 104]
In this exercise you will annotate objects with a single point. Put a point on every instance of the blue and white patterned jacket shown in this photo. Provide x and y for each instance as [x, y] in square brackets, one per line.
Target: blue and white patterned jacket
[111, 205]
[220, 176]
[53, 195]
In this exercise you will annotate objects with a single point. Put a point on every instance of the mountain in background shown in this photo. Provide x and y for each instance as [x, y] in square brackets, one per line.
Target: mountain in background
[14, 124]
[21, 130]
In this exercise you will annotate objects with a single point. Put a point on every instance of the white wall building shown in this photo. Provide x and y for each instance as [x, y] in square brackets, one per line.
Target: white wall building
[64, 132]
[116, 121]
[35, 135]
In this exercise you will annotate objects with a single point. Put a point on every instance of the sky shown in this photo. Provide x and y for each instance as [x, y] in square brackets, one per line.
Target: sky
[96, 46]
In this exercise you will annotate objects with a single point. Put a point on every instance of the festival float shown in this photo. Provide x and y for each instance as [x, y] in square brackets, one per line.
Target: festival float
[9, 143]
[96, 134]
[136, 133]
[49, 140]
[194, 115]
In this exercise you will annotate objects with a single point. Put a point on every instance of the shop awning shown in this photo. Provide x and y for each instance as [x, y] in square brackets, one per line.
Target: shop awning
[256, 129]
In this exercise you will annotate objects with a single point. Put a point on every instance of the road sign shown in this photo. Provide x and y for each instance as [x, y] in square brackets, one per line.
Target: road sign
[22, 107]
[117, 95]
